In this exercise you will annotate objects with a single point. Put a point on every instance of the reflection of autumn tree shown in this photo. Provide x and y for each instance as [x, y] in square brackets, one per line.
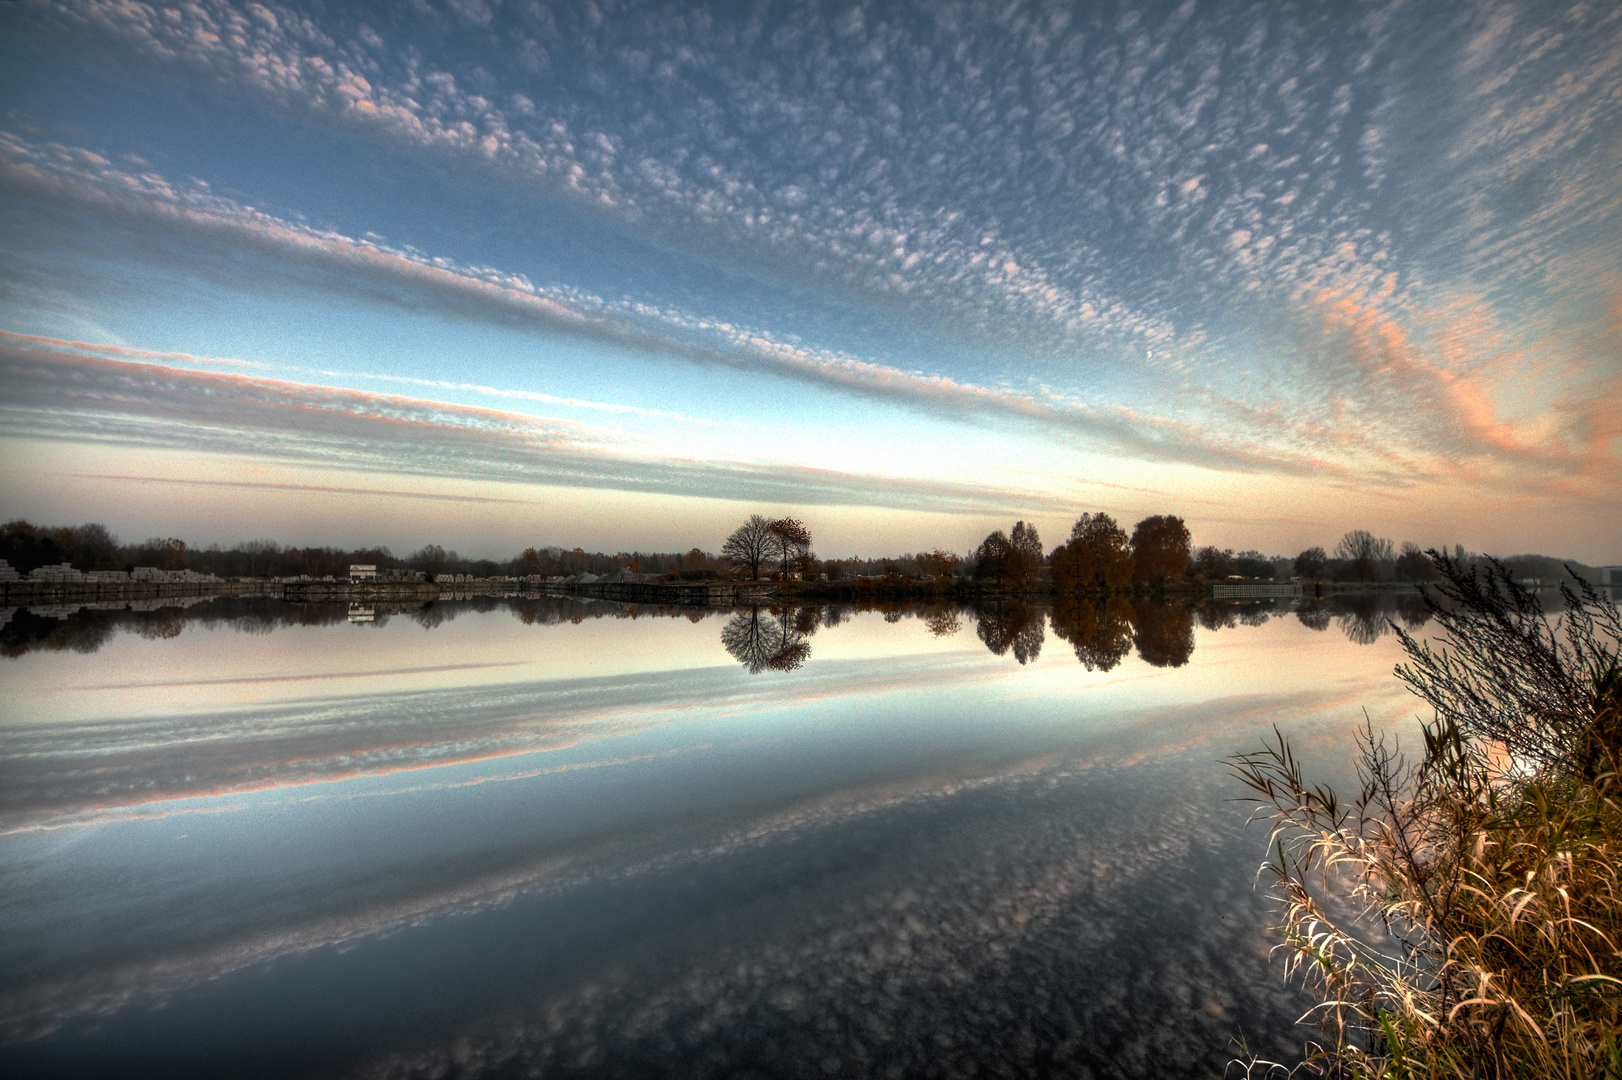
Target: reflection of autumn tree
[1101, 632]
[430, 615]
[1012, 624]
[790, 656]
[1215, 616]
[762, 642]
[1257, 613]
[1163, 633]
[943, 623]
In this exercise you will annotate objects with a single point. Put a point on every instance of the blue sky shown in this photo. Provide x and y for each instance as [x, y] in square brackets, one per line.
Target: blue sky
[617, 275]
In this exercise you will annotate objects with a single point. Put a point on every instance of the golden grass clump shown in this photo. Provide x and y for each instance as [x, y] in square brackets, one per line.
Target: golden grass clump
[1482, 881]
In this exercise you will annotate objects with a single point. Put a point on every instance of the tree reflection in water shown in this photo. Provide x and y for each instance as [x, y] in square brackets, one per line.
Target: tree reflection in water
[1313, 615]
[943, 623]
[769, 641]
[1163, 632]
[86, 628]
[1100, 631]
[1012, 624]
[1364, 617]
[1363, 621]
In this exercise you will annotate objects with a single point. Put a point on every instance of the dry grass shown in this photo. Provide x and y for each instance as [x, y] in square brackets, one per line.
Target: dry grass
[1491, 865]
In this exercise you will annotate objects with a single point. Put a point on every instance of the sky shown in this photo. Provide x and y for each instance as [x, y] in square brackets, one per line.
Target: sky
[617, 275]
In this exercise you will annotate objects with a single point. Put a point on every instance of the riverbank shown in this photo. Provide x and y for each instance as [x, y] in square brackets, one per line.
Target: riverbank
[28, 593]
[674, 593]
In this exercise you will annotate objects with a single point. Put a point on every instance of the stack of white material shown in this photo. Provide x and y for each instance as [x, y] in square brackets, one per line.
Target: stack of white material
[58, 573]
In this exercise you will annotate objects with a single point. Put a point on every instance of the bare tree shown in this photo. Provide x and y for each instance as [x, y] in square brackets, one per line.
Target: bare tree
[430, 559]
[1414, 565]
[1363, 550]
[750, 544]
[1310, 563]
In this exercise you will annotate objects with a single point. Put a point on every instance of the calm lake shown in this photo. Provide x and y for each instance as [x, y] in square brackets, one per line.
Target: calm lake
[515, 837]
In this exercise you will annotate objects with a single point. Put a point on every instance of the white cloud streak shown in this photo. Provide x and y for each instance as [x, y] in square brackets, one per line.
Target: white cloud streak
[70, 396]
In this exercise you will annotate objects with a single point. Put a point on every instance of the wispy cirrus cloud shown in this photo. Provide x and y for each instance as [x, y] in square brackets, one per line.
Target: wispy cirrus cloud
[70, 396]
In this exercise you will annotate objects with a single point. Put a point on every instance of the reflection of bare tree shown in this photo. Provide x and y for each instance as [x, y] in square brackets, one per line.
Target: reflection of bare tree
[166, 623]
[1012, 624]
[751, 639]
[1413, 610]
[1163, 632]
[1364, 623]
[1256, 614]
[1101, 635]
[1314, 616]
[1214, 615]
[760, 642]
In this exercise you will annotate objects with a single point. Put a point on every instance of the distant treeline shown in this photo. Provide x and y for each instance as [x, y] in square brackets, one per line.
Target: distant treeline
[1099, 556]
[92, 547]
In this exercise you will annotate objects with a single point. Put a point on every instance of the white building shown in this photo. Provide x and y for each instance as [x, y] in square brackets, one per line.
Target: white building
[362, 571]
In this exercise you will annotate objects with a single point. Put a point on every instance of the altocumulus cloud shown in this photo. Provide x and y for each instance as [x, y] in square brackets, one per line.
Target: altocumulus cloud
[1379, 406]
[1217, 235]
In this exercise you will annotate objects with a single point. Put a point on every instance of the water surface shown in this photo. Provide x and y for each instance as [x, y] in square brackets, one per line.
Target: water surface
[507, 837]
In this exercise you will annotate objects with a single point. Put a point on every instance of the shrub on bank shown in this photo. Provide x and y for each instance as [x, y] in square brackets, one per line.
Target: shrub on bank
[1487, 873]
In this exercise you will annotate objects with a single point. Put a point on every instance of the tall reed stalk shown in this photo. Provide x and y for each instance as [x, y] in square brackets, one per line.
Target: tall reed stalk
[1483, 879]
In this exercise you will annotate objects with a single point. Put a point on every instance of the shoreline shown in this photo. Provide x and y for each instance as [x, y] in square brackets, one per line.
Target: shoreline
[694, 593]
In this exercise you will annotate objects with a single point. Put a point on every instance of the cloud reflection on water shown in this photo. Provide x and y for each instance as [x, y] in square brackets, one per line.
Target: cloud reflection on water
[982, 905]
[962, 828]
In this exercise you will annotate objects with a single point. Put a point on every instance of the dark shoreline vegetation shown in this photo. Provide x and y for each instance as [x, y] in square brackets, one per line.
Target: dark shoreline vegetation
[1483, 881]
[1099, 558]
[1101, 631]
